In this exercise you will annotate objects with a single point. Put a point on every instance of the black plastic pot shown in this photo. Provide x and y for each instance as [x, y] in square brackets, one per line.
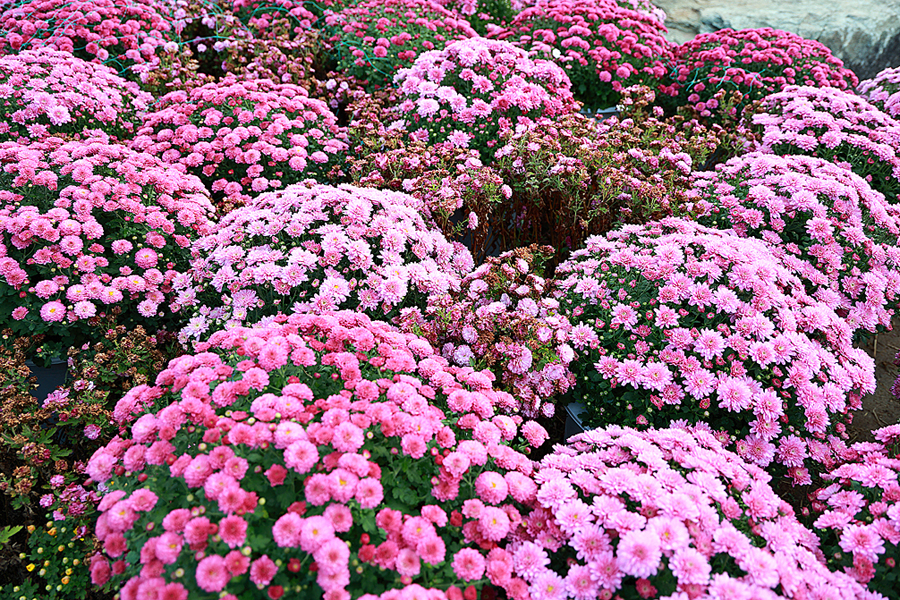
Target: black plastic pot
[574, 425]
[48, 378]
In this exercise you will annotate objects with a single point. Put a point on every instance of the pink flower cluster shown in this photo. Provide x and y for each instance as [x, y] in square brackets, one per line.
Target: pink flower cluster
[668, 514]
[88, 225]
[602, 46]
[837, 126]
[318, 248]
[503, 318]
[243, 137]
[753, 62]
[882, 91]
[826, 223]
[372, 39]
[47, 92]
[679, 321]
[473, 89]
[323, 435]
[122, 35]
[858, 513]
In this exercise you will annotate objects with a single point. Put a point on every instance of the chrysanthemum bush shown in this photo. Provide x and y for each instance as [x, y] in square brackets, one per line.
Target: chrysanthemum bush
[87, 226]
[602, 46]
[676, 321]
[123, 35]
[503, 318]
[373, 39]
[322, 453]
[753, 62]
[475, 88]
[844, 233]
[317, 247]
[858, 512]
[243, 137]
[666, 514]
[837, 126]
[881, 91]
[47, 92]
[575, 177]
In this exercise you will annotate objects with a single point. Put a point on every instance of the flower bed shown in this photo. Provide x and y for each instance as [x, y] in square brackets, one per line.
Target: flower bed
[752, 62]
[474, 89]
[837, 126]
[372, 453]
[677, 321]
[243, 137]
[318, 248]
[843, 232]
[89, 227]
[47, 92]
[601, 46]
[384, 453]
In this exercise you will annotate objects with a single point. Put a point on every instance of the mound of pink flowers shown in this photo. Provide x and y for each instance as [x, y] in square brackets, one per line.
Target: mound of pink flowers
[123, 35]
[319, 248]
[834, 125]
[243, 137]
[754, 63]
[88, 226]
[677, 321]
[473, 89]
[47, 92]
[835, 232]
[668, 514]
[329, 440]
[602, 46]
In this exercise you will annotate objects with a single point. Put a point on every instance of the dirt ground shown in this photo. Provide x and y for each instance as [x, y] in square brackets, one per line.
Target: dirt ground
[880, 408]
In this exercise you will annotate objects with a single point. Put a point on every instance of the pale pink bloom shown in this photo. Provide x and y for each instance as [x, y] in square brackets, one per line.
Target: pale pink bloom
[314, 532]
[286, 530]
[638, 553]
[862, 540]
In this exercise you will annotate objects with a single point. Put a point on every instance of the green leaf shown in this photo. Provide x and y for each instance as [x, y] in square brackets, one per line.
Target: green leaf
[8, 532]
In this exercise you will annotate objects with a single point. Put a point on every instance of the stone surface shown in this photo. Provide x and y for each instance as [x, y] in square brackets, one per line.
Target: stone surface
[865, 34]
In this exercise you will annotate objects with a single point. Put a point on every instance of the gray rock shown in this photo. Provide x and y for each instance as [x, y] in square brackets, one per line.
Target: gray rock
[865, 34]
